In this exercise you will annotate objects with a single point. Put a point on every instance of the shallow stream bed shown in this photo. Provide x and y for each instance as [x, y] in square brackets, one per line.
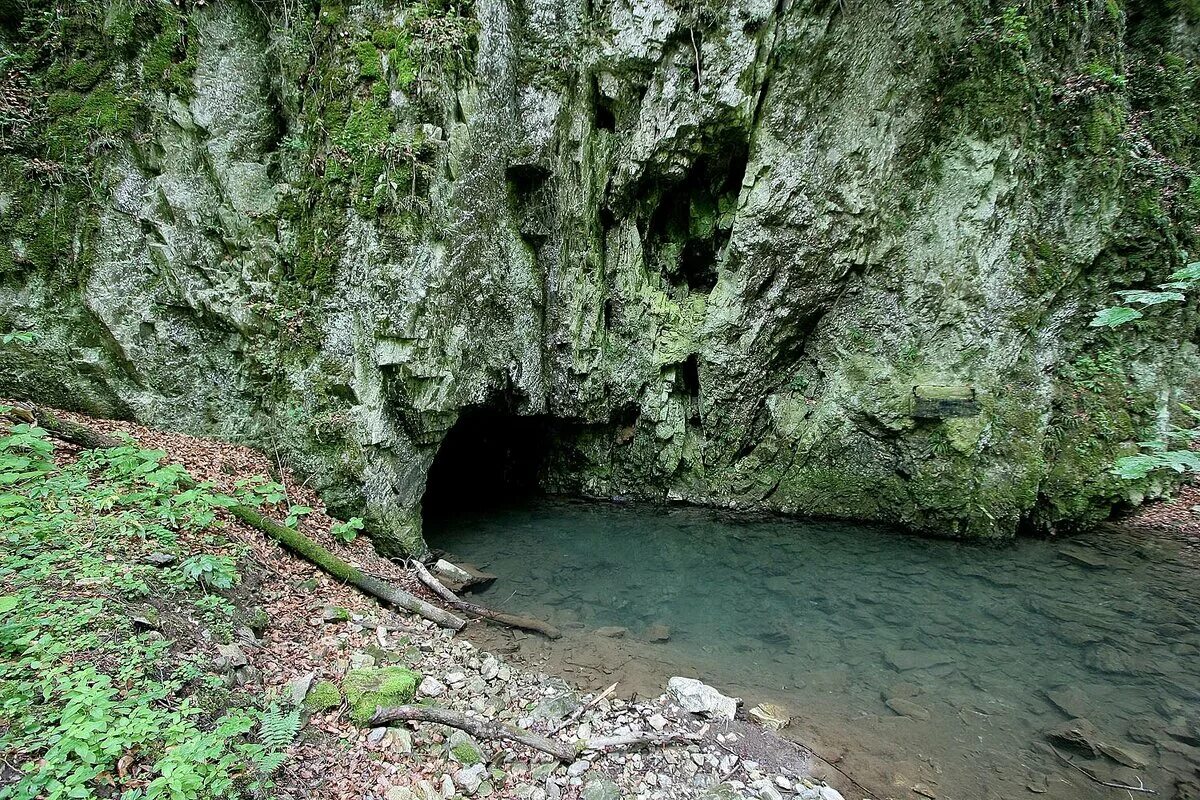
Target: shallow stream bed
[924, 668]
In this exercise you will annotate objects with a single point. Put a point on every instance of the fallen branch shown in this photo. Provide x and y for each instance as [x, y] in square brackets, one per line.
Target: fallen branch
[640, 739]
[512, 620]
[1110, 784]
[477, 727]
[490, 729]
[291, 539]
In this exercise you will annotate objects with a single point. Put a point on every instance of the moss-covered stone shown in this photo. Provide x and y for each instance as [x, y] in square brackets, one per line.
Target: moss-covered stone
[323, 696]
[374, 687]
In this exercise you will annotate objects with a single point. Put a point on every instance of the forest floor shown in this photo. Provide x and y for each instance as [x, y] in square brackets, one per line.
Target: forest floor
[153, 646]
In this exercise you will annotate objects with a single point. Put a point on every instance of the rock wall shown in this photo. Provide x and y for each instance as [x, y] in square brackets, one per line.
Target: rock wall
[832, 258]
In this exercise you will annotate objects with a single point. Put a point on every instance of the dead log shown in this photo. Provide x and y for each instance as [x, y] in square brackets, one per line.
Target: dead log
[512, 620]
[490, 729]
[291, 540]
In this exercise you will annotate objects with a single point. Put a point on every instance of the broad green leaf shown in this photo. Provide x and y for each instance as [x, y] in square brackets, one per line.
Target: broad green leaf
[7, 603]
[1147, 298]
[1132, 468]
[1190, 273]
[1114, 316]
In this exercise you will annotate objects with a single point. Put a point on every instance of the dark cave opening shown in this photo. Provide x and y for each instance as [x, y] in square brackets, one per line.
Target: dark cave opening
[692, 219]
[490, 458]
[605, 114]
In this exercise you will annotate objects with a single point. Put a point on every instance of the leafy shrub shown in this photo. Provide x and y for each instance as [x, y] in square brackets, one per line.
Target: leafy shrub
[347, 531]
[219, 572]
[82, 693]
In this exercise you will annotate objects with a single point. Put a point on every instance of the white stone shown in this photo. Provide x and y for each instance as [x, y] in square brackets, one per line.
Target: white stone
[658, 722]
[452, 572]
[431, 686]
[700, 698]
[578, 768]
[470, 777]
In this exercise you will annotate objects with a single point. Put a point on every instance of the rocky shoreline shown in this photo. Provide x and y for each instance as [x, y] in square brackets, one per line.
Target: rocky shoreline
[729, 758]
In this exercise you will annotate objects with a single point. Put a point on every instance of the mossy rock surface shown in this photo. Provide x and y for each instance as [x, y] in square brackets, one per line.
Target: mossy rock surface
[323, 696]
[372, 687]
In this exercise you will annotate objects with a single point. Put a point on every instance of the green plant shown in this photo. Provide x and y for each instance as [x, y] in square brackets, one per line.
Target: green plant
[258, 490]
[20, 337]
[1158, 454]
[84, 694]
[1016, 28]
[219, 572]
[347, 531]
[294, 515]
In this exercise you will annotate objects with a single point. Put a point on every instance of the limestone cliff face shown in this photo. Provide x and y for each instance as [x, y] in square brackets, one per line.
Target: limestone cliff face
[830, 258]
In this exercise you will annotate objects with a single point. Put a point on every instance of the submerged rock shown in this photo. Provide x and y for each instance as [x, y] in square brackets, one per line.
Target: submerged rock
[658, 633]
[770, 716]
[700, 698]
[907, 708]
[612, 632]
[1077, 734]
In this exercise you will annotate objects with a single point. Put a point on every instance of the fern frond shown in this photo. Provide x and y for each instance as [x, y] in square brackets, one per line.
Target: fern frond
[278, 728]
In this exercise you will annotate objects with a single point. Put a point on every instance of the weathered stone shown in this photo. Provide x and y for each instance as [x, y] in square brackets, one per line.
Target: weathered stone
[323, 696]
[158, 559]
[699, 698]
[470, 778]
[462, 748]
[601, 789]
[557, 706]
[940, 402]
[771, 716]
[230, 656]
[335, 614]
[297, 688]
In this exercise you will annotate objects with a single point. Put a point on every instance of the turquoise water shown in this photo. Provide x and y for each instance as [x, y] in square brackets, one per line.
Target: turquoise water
[833, 620]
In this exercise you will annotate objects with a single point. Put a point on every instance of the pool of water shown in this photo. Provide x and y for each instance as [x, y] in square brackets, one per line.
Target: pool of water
[924, 668]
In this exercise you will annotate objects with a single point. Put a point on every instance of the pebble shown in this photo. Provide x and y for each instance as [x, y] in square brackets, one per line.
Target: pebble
[431, 687]
[578, 768]
[658, 722]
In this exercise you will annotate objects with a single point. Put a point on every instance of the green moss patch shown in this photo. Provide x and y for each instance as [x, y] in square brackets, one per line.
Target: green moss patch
[373, 687]
[323, 696]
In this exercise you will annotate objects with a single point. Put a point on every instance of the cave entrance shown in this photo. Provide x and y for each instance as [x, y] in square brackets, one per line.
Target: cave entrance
[490, 458]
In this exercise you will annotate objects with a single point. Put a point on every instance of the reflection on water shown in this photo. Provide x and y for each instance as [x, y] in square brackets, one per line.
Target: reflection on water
[927, 664]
